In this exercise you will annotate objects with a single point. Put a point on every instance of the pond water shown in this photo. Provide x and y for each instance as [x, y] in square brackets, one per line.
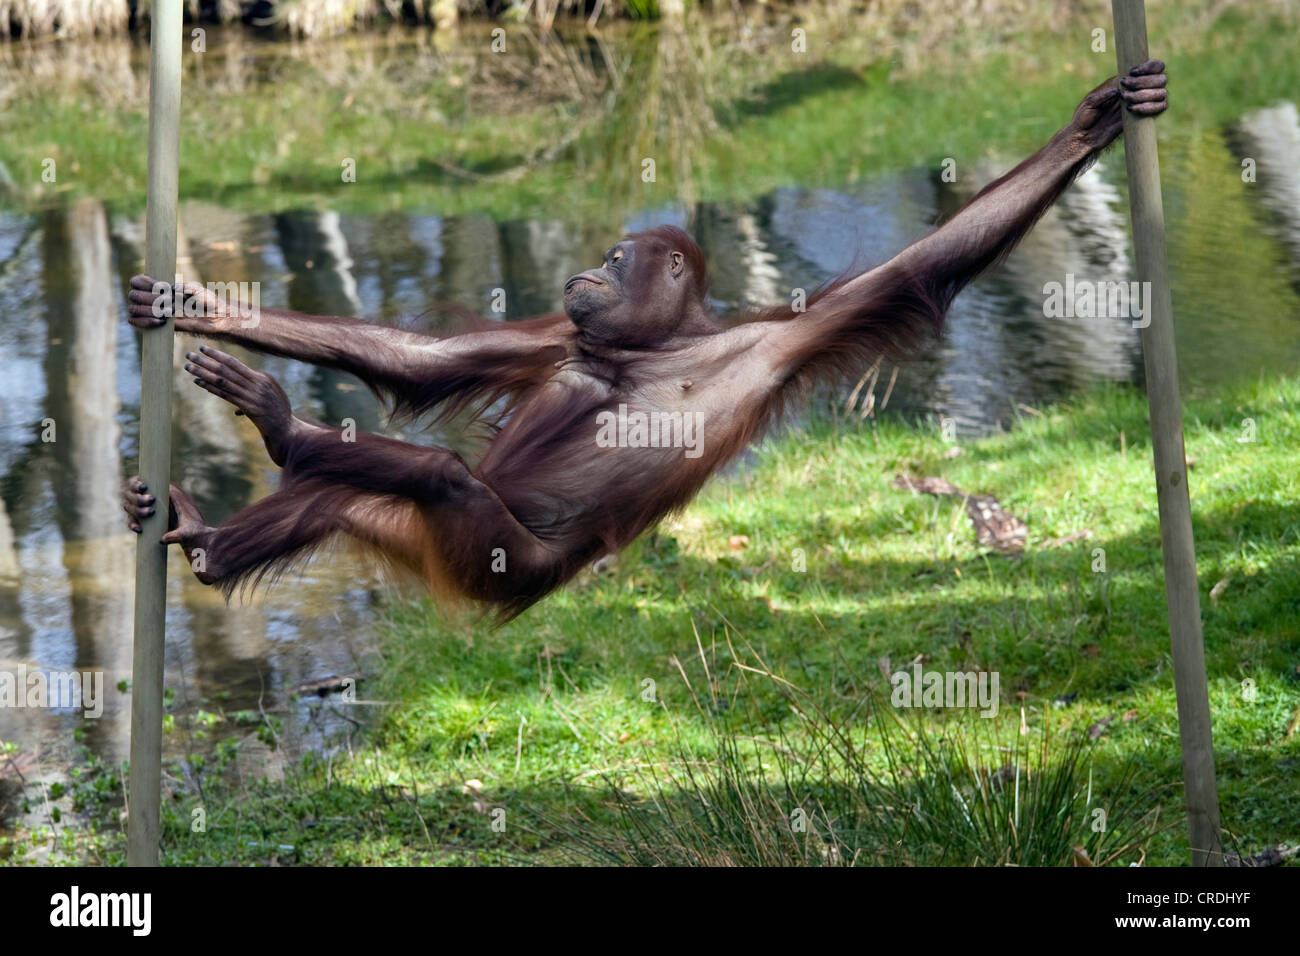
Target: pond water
[69, 362]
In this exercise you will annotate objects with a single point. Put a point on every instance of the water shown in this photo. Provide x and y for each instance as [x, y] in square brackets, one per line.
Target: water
[71, 364]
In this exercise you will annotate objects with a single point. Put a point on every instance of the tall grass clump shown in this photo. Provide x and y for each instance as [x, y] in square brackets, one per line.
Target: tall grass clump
[866, 787]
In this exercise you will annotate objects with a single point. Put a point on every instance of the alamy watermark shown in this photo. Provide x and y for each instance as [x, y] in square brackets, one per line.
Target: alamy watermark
[73, 690]
[237, 300]
[654, 429]
[918, 688]
[73, 909]
[1086, 299]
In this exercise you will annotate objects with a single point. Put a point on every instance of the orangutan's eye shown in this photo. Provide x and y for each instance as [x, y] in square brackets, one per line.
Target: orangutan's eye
[618, 254]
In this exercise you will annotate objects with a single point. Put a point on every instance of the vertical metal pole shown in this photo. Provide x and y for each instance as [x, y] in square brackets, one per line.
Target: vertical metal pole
[1167, 442]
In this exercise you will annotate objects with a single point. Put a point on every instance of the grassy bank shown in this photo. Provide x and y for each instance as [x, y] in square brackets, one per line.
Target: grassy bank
[546, 129]
[526, 725]
[34, 19]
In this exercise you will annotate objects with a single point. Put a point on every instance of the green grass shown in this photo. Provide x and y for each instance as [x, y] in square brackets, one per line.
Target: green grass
[546, 714]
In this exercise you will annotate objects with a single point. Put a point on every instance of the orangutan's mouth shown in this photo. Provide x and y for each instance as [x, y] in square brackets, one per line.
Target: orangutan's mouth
[573, 282]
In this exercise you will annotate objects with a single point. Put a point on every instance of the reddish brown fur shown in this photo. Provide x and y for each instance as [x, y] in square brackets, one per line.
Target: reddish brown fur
[547, 496]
